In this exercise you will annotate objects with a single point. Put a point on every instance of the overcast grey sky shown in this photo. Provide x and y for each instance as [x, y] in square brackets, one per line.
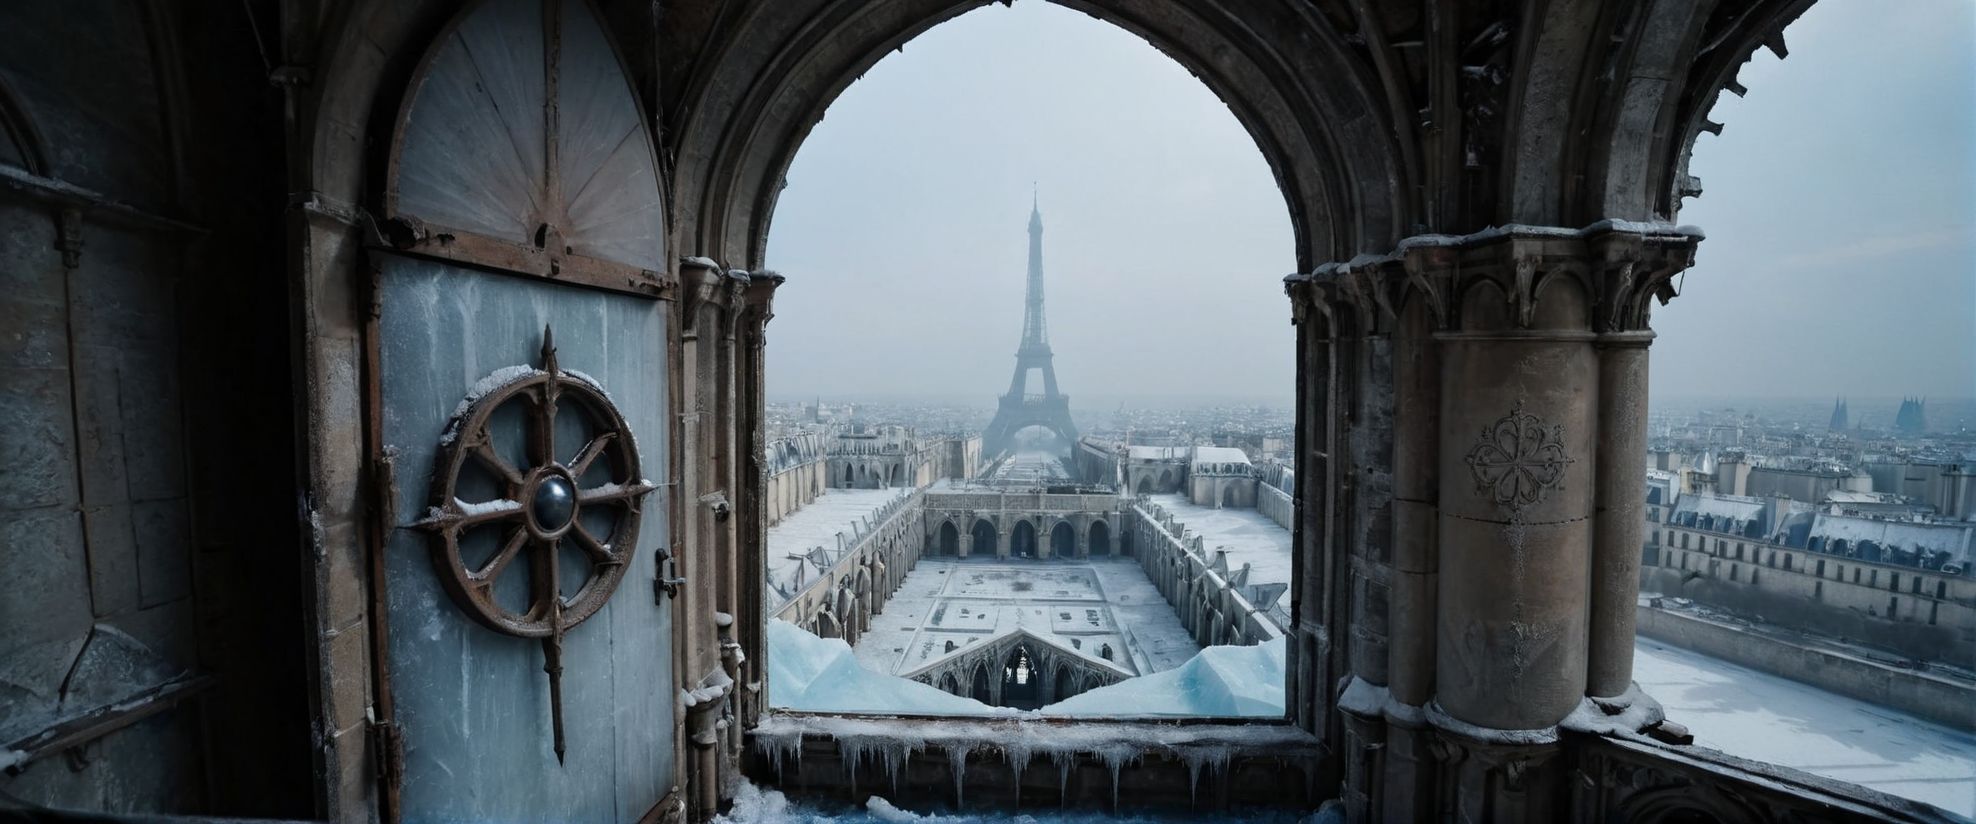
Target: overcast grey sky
[1840, 205]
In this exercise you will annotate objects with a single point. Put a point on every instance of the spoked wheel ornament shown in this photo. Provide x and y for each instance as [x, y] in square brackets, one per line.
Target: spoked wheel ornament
[538, 509]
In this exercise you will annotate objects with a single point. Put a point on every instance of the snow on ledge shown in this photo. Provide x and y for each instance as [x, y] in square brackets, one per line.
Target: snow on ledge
[1625, 714]
[1487, 735]
[1362, 697]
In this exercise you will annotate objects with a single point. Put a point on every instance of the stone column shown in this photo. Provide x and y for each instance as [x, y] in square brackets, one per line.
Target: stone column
[753, 498]
[1519, 390]
[1634, 270]
[1620, 525]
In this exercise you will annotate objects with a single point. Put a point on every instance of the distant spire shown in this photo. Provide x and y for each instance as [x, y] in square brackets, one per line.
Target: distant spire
[1034, 334]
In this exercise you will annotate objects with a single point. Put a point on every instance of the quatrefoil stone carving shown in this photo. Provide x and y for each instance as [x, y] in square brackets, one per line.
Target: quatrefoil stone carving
[1518, 459]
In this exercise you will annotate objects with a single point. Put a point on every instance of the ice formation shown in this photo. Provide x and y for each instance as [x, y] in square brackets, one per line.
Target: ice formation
[821, 675]
[758, 805]
[1220, 681]
[815, 674]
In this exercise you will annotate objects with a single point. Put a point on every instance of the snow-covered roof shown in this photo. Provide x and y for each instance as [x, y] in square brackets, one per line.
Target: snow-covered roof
[1733, 507]
[1952, 539]
[1220, 455]
[1841, 496]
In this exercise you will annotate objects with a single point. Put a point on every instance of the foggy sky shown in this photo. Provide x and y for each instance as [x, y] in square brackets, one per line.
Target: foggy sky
[1840, 205]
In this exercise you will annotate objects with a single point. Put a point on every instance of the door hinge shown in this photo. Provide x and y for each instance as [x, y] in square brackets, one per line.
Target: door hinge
[388, 754]
[384, 488]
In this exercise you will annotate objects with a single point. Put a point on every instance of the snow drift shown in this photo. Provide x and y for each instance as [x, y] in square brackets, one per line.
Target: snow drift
[1220, 681]
[821, 675]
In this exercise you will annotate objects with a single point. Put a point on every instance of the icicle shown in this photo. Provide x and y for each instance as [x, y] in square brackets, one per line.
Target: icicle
[1017, 752]
[1064, 760]
[852, 749]
[957, 760]
[781, 750]
[1116, 756]
[1212, 756]
[897, 754]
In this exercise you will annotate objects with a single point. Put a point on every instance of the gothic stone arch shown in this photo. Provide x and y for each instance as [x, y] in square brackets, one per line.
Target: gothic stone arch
[1572, 118]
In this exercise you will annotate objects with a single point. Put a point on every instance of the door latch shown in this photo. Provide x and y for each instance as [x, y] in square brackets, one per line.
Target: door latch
[664, 587]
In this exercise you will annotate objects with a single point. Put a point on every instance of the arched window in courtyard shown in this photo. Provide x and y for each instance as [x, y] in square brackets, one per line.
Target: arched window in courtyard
[949, 542]
[1063, 540]
[984, 539]
[1022, 540]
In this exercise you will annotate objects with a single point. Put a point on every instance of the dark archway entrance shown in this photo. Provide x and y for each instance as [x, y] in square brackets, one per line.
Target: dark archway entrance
[1063, 540]
[984, 539]
[1022, 540]
[1229, 500]
[949, 685]
[979, 690]
[1100, 538]
[1022, 684]
[949, 542]
[1145, 485]
[1063, 686]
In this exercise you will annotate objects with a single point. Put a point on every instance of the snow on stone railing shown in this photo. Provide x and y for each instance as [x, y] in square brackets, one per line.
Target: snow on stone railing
[863, 531]
[1200, 565]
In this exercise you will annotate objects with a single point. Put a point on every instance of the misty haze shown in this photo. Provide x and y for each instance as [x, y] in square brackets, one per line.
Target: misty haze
[1058, 411]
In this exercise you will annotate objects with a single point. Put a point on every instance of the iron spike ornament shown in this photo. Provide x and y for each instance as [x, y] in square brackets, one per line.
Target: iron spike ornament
[538, 508]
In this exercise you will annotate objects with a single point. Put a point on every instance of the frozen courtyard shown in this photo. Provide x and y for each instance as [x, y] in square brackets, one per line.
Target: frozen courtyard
[1088, 606]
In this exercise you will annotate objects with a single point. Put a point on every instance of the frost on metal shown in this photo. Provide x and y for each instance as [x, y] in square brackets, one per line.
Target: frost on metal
[494, 380]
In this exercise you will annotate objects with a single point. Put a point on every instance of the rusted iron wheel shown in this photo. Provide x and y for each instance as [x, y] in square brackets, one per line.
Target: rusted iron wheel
[540, 505]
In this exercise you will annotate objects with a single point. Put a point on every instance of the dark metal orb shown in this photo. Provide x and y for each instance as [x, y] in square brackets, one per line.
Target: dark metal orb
[554, 504]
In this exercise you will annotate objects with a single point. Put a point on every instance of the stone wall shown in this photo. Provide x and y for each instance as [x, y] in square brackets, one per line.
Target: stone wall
[791, 488]
[1932, 697]
[1276, 505]
[148, 513]
[1093, 519]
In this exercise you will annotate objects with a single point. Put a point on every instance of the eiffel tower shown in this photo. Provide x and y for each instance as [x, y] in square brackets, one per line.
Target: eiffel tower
[1019, 409]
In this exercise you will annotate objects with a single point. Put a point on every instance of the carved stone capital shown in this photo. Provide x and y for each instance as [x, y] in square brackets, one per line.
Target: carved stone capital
[1297, 287]
[699, 284]
[1617, 266]
[1632, 270]
[1369, 285]
[1430, 273]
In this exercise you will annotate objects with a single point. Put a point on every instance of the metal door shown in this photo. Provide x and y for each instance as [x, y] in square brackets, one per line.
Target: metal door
[520, 358]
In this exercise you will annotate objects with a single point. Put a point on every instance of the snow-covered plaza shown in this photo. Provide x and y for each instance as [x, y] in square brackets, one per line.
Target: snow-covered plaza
[1091, 606]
